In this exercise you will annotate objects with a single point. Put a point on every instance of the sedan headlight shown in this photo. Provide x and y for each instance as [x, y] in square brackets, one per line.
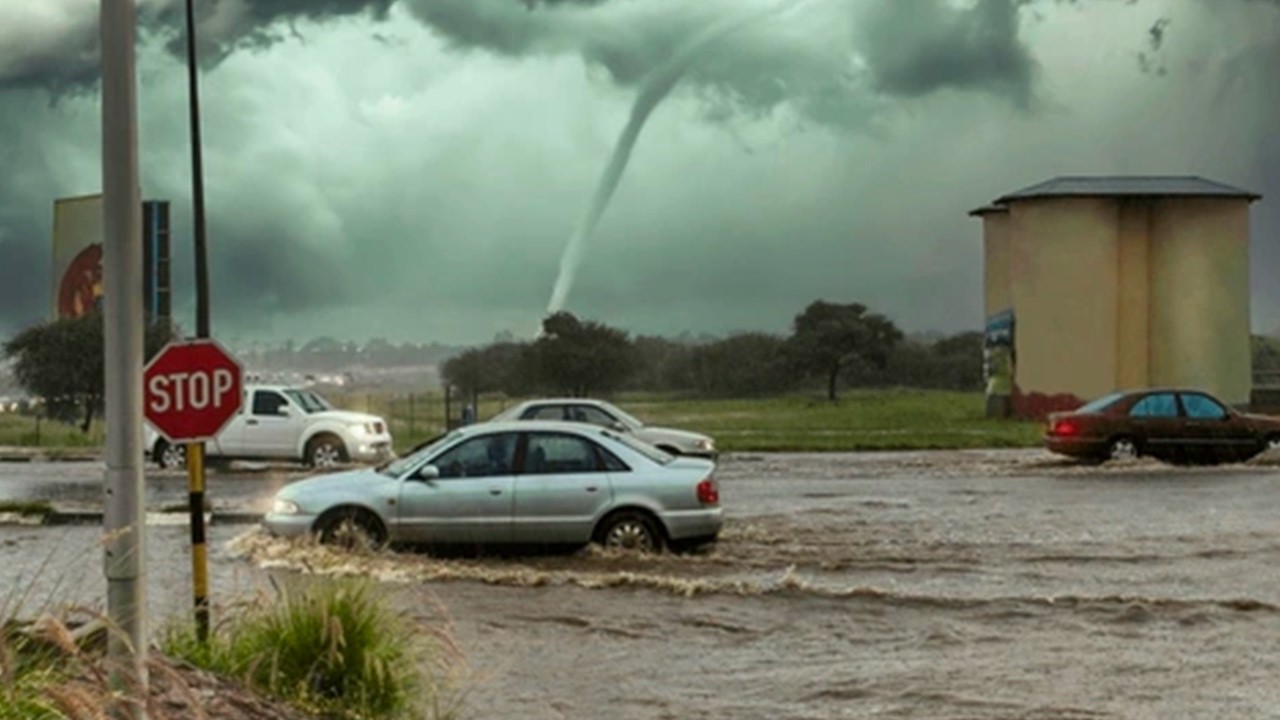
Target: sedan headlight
[706, 444]
[284, 507]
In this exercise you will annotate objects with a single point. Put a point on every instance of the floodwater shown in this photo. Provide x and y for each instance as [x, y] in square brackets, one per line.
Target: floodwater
[1002, 584]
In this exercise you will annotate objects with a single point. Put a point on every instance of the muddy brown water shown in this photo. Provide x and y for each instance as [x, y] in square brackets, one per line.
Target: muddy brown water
[909, 585]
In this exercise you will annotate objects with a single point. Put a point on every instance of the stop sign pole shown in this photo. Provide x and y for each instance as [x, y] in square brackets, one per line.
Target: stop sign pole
[191, 391]
[195, 450]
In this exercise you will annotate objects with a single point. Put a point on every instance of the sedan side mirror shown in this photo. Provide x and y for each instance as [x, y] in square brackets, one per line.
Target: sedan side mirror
[617, 426]
[429, 473]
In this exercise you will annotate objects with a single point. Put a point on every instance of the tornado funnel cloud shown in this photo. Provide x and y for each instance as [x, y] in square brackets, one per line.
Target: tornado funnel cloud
[653, 90]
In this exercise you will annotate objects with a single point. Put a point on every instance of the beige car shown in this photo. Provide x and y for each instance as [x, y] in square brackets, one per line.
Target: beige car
[599, 412]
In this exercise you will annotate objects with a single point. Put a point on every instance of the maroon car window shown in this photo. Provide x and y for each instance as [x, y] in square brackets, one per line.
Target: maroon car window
[1203, 407]
[1161, 405]
[1101, 403]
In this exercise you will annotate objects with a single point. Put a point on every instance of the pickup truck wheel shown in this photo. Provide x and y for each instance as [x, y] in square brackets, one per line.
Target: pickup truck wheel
[326, 451]
[169, 457]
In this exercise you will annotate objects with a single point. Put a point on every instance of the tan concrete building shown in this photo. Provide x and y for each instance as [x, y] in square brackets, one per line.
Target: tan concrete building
[1095, 284]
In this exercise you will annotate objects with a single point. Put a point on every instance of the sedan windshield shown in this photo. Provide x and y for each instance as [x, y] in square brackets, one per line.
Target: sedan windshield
[398, 467]
[1101, 404]
[308, 401]
[628, 420]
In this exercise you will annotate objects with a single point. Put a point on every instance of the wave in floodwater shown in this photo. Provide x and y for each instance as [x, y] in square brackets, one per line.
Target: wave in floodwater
[305, 556]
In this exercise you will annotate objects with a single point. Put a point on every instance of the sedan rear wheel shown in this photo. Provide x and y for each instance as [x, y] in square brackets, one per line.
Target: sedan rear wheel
[630, 530]
[1123, 448]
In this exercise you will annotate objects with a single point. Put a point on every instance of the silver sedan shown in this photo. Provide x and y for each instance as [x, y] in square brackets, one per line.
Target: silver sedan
[534, 482]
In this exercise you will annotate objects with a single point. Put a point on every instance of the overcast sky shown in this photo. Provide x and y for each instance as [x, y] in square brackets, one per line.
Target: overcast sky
[413, 169]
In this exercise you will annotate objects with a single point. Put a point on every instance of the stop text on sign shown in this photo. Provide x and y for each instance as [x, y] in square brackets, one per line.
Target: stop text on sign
[197, 390]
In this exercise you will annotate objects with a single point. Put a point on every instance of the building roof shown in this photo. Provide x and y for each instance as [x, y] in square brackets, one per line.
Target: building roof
[988, 210]
[1128, 185]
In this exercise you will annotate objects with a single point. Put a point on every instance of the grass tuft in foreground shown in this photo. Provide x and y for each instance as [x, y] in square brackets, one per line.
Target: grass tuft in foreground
[46, 674]
[333, 649]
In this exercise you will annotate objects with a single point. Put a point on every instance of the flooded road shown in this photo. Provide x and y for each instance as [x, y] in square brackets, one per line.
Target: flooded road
[925, 585]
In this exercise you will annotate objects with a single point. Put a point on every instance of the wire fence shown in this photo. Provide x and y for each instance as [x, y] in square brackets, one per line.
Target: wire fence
[414, 417]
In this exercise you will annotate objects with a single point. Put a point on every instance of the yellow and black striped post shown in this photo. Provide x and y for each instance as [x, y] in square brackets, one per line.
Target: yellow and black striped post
[199, 551]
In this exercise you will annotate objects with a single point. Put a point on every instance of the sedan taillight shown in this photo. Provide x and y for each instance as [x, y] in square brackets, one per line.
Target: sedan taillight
[708, 492]
[1065, 428]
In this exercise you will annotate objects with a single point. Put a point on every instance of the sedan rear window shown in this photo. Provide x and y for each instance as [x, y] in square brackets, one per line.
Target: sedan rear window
[645, 449]
[1101, 404]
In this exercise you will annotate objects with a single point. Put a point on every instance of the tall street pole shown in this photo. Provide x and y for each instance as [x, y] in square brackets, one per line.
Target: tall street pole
[125, 556]
[195, 451]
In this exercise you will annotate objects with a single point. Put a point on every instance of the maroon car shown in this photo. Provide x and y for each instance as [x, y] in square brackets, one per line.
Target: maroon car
[1177, 425]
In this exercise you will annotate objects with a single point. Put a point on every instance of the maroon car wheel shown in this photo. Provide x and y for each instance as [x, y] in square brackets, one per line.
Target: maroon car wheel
[1123, 448]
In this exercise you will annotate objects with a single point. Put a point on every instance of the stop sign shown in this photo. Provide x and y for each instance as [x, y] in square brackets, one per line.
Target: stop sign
[191, 389]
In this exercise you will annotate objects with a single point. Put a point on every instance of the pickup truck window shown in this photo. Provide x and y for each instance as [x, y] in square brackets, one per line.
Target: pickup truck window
[308, 401]
[268, 402]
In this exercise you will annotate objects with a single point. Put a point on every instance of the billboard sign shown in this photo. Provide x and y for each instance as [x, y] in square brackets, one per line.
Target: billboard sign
[77, 256]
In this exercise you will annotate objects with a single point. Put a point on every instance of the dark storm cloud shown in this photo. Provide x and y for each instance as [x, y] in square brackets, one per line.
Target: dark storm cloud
[48, 50]
[227, 25]
[1156, 33]
[1150, 61]
[279, 276]
[58, 50]
[24, 273]
[915, 48]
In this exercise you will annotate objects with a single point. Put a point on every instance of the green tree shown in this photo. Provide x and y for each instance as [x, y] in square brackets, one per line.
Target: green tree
[829, 338]
[63, 363]
[504, 366]
[580, 358]
[742, 365]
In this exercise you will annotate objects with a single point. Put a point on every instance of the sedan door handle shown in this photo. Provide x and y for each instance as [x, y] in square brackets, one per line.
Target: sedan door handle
[592, 488]
[251, 422]
[495, 491]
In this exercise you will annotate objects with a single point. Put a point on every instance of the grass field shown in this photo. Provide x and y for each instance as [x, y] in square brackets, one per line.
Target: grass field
[863, 420]
[860, 420]
[29, 431]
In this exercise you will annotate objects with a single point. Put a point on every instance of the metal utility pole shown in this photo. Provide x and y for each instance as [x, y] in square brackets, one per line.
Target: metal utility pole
[125, 557]
[195, 451]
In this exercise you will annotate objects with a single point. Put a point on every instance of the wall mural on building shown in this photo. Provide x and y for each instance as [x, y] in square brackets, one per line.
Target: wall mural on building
[81, 287]
[998, 362]
[77, 255]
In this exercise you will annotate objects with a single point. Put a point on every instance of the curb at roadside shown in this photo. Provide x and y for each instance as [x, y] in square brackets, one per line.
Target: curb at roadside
[90, 517]
[35, 457]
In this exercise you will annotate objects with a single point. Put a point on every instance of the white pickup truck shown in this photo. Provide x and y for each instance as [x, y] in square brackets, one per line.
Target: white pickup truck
[284, 423]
